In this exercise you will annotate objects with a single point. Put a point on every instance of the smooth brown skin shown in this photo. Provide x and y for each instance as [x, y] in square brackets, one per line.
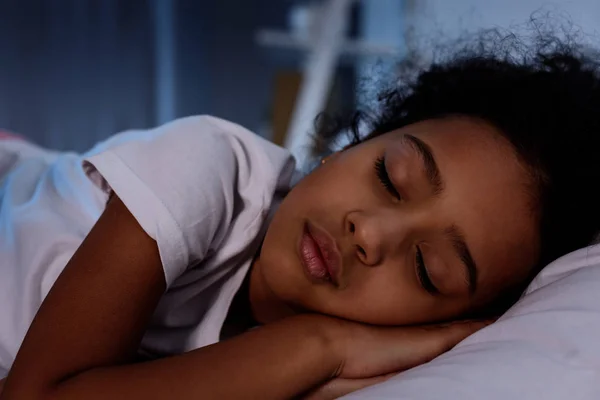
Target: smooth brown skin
[485, 196]
[83, 339]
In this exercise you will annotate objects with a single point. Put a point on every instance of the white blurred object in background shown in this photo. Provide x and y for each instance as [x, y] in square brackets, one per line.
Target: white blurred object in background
[321, 29]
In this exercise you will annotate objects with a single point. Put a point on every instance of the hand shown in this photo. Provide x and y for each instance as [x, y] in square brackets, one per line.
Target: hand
[365, 351]
[371, 355]
[339, 387]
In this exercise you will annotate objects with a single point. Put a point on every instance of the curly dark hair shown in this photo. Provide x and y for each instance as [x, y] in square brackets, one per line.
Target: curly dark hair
[543, 94]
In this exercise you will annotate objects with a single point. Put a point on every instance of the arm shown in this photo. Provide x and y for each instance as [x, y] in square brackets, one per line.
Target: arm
[91, 323]
[83, 340]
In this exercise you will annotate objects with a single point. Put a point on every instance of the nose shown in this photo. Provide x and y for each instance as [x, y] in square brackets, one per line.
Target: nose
[374, 234]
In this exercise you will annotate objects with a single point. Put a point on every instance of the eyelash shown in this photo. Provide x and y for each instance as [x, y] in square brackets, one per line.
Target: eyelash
[384, 178]
[423, 274]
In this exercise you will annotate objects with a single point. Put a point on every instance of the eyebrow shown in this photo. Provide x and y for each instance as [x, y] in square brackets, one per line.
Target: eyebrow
[457, 238]
[453, 233]
[431, 169]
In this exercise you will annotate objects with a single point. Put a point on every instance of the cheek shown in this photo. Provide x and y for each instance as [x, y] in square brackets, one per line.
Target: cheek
[386, 295]
[375, 297]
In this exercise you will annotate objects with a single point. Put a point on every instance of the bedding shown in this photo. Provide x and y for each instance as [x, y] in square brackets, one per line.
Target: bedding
[547, 346]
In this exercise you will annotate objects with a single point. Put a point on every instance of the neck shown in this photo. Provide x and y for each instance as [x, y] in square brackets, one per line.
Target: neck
[265, 305]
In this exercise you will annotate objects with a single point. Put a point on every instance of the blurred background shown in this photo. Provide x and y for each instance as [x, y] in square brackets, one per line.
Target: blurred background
[73, 72]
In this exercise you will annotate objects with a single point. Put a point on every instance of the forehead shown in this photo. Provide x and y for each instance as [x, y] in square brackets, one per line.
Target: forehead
[485, 194]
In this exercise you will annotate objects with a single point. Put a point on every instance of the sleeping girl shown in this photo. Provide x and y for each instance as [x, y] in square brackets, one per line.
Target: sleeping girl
[192, 261]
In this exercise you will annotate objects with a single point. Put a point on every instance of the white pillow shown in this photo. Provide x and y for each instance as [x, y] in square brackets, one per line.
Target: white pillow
[545, 347]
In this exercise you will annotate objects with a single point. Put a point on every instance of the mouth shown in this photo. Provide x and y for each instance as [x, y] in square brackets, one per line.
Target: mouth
[320, 256]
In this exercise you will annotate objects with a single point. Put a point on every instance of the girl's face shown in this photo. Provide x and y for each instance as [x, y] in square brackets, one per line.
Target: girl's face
[420, 224]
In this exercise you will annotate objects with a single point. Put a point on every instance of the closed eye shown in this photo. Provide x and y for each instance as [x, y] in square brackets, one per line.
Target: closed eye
[384, 178]
[423, 274]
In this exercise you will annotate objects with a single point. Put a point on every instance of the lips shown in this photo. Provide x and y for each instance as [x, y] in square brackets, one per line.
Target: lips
[320, 255]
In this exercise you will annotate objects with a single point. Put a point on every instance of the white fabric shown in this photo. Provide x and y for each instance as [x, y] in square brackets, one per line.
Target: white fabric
[47, 205]
[202, 187]
[545, 347]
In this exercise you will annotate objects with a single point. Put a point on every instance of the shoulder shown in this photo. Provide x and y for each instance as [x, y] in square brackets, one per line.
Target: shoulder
[186, 181]
[221, 140]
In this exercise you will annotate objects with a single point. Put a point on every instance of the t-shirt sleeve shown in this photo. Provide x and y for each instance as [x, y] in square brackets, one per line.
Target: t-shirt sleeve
[177, 180]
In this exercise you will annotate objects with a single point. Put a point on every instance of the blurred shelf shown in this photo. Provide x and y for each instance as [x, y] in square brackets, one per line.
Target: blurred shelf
[355, 48]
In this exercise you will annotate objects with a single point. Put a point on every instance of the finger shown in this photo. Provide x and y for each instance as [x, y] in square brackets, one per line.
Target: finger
[340, 387]
[452, 334]
[438, 340]
[406, 348]
[477, 322]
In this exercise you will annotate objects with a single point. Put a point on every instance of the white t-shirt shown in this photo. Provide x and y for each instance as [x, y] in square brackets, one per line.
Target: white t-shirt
[202, 187]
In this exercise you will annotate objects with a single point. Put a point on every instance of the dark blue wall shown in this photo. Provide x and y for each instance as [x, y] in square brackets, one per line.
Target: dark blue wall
[75, 71]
